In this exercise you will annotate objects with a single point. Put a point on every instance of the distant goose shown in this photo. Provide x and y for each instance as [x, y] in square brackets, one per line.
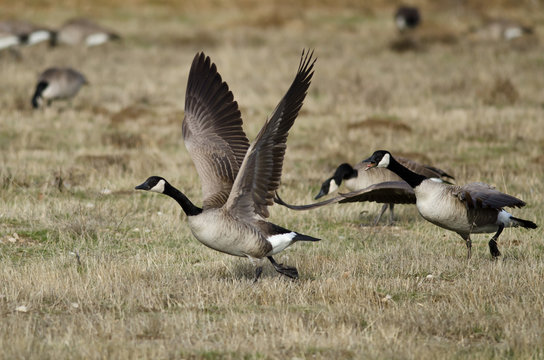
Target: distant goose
[407, 18]
[502, 29]
[8, 40]
[57, 83]
[356, 178]
[238, 180]
[470, 209]
[84, 31]
[29, 33]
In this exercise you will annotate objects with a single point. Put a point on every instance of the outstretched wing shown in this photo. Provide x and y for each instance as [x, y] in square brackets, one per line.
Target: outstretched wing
[425, 170]
[389, 192]
[483, 196]
[212, 131]
[260, 173]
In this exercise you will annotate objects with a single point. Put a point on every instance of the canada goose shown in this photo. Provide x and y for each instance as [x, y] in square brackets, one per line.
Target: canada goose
[29, 33]
[407, 18]
[472, 208]
[57, 83]
[84, 31]
[355, 179]
[238, 180]
[501, 29]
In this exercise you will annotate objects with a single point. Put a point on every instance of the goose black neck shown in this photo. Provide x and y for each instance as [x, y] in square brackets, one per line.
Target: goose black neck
[344, 172]
[38, 93]
[413, 179]
[188, 207]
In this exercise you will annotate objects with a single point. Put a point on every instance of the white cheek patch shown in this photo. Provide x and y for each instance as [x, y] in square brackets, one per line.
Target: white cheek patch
[159, 188]
[384, 162]
[332, 186]
[280, 242]
[96, 39]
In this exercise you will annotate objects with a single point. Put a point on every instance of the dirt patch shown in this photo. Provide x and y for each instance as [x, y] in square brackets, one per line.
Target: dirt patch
[501, 92]
[379, 123]
[123, 140]
[129, 113]
[101, 162]
[17, 240]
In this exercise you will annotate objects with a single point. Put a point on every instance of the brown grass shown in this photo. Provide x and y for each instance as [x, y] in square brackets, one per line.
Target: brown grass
[98, 270]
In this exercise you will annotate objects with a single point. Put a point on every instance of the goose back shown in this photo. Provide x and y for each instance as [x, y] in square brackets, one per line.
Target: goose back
[61, 82]
[472, 208]
[84, 31]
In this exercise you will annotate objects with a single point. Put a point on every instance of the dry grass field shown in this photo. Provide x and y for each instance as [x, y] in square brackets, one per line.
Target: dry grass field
[90, 268]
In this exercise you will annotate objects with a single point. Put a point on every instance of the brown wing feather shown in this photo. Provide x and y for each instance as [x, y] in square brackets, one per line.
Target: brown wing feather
[428, 171]
[484, 196]
[389, 192]
[260, 173]
[212, 131]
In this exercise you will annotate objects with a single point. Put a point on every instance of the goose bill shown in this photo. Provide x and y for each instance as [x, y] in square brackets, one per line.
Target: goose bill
[370, 165]
[143, 186]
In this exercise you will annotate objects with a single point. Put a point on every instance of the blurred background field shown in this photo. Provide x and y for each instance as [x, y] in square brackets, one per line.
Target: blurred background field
[91, 269]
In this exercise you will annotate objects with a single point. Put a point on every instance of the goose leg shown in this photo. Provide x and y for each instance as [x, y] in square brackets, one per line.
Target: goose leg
[288, 271]
[384, 207]
[493, 248]
[391, 214]
[468, 242]
[258, 272]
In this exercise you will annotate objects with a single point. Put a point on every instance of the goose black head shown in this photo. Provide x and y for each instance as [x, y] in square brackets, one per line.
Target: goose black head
[407, 17]
[380, 158]
[327, 187]
[343, 172]
[153, 183]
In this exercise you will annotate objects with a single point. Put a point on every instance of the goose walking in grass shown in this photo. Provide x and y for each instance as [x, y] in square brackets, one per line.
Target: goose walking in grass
[470, 209]
[355, 178]
[57, 83]
[238, 179]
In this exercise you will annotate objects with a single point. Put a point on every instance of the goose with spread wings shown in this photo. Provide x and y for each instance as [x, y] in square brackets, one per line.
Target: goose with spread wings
[238, 179]
[474, 208]
[356, 178]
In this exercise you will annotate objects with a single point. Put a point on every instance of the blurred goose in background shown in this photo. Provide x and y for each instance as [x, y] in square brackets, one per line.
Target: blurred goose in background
[57, 83]
[8, 40]
[470, 209]
[355, 178]
[29, 33]
[501, 29]
[238, 180]
[407, 18]
[84, 31]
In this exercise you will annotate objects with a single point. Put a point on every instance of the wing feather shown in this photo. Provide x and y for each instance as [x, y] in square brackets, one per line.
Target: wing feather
[212, 131]
[483, 196]
[389, 192]
[260, 173]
